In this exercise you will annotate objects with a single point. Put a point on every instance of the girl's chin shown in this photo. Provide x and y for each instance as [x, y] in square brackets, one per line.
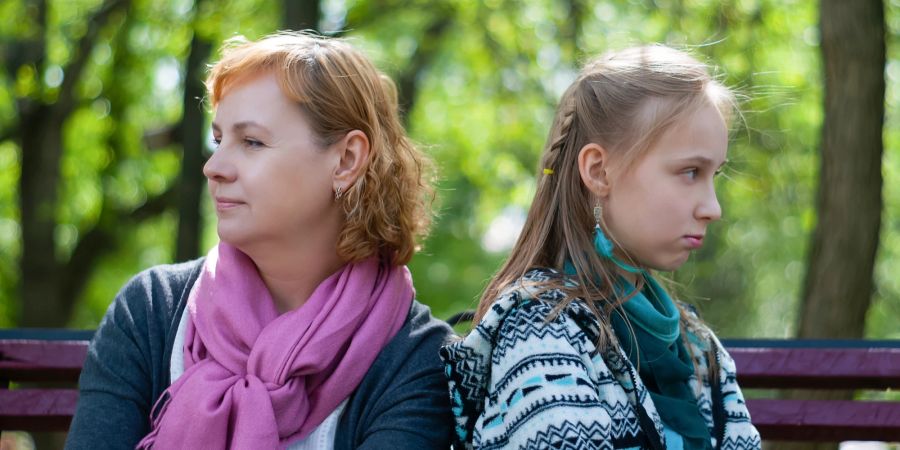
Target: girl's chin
[669, 266]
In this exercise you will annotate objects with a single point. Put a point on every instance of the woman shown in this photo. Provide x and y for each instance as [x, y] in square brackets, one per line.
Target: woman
[299, 329]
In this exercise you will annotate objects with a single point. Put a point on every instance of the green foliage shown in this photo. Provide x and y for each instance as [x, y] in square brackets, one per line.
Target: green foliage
[483, 106]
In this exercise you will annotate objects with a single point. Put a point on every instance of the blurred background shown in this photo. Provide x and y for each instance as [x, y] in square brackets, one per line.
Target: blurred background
[103, 133]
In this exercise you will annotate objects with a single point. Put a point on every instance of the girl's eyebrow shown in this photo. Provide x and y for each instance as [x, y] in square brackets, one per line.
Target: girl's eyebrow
[700, 161]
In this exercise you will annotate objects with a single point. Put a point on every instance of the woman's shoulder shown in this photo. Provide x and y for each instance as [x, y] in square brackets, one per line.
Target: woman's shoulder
[166, 283]
[167, 278]
[150, 302]
[417, 342]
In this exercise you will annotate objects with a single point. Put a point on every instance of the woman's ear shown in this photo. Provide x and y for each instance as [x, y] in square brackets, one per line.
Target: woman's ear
[593, 165]
[353, 151]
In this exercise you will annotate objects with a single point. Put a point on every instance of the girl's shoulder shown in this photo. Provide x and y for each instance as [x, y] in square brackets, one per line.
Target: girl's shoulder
[700, 336]
[534, 303]
[543, 293]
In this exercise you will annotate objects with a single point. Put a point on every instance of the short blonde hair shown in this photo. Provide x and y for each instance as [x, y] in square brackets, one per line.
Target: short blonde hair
[339, 90]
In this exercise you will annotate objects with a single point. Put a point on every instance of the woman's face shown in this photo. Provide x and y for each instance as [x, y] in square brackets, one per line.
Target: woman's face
[659, 208]
[270, 180]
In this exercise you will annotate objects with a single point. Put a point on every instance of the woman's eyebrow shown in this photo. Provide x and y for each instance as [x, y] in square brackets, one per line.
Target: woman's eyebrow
[240, 126]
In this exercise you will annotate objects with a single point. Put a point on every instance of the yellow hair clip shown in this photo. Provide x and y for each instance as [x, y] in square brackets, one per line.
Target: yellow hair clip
[548, 171]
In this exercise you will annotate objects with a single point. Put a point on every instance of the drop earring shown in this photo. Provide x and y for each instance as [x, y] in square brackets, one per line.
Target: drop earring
[602, 243]
[338, 193]
[604, 246]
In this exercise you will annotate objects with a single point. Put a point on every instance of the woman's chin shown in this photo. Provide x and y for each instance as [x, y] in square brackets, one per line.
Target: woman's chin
[230, 236]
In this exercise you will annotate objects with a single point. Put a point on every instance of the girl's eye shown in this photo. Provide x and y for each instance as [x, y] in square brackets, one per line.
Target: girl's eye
[216, 141]
[692, 173]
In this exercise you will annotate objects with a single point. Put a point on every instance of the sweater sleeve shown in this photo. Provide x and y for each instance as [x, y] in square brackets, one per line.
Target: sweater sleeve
[402, 402]
[126, 366]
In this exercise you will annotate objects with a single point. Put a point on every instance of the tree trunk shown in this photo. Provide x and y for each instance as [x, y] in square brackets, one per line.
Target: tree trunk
[300, 14]
[428, 46]
[839, 281]
[191, 134]
[41, 144]
[44, 302]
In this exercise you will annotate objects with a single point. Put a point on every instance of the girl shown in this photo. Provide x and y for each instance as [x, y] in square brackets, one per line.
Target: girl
[299, 329]
[577, 345]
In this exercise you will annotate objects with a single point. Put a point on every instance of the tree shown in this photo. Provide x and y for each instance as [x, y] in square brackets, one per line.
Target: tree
[191, 134]
[839, 282]
[44, 284]
[301, 14]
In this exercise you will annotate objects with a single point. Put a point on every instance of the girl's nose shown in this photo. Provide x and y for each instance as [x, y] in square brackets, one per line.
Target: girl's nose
[709, 209]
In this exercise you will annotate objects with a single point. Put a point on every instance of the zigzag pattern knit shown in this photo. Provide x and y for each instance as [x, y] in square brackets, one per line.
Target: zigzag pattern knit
[519, 380]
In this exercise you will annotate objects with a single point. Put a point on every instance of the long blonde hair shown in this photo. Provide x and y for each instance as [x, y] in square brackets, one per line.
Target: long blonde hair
[387, 210]
[623, 101]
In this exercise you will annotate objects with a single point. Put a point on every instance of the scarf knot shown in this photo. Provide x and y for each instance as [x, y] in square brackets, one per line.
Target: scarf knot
[257, 379]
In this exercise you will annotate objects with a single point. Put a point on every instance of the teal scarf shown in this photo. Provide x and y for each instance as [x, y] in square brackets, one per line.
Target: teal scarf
[652, 344]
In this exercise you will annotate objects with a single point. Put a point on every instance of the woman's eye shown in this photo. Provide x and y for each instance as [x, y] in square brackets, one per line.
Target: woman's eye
[216, 142]
[252, 143]
[691, 173]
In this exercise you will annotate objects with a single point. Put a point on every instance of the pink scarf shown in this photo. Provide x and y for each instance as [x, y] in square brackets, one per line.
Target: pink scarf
[256, 379]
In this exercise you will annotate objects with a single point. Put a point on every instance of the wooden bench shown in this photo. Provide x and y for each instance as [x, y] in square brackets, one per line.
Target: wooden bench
[43, 366]
[776, 364]
[56, 356]
[826, 365]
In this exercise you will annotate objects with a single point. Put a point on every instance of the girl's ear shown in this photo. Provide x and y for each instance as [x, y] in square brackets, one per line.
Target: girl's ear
[353, 151]
[593, 165]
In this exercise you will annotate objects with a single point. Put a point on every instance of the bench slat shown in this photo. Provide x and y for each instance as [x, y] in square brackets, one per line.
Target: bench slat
[37, 409]
[33, 360]
[825, 420]
[817, 368]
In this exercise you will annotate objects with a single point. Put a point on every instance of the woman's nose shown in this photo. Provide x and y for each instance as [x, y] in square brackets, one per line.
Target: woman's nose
[219, 167]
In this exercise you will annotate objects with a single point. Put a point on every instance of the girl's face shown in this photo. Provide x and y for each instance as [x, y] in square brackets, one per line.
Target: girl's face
[270, 180]
[659, 208]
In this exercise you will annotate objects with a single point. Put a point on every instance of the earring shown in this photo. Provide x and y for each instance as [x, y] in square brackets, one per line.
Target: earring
[601, 243]
[604, 246]
[338, 193]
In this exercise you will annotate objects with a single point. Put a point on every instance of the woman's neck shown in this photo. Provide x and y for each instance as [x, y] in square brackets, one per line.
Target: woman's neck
[292, 274]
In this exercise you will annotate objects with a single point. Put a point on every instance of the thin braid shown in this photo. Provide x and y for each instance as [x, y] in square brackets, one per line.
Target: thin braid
[565, 126]
[566, 116]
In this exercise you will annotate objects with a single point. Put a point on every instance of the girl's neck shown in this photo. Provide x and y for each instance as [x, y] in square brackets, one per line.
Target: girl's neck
[629, 276]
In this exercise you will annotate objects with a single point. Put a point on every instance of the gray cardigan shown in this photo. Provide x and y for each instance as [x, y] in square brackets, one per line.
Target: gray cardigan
[401, 403]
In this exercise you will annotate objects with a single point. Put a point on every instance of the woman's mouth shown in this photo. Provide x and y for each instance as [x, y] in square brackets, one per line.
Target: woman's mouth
[224, 204]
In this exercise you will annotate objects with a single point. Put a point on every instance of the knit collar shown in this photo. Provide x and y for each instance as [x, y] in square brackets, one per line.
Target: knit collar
[649, 334]
[652, 310]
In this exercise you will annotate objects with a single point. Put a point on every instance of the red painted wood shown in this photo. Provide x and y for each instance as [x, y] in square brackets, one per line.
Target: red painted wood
[825, 420]
[35, 360]
[37, 409]
[781, 367]
[818, 368]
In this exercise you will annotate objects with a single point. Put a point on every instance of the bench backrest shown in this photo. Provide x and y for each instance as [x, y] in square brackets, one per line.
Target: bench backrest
[57, 356]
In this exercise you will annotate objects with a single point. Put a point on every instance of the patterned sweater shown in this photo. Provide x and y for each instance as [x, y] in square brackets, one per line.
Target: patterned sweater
[519, 380]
